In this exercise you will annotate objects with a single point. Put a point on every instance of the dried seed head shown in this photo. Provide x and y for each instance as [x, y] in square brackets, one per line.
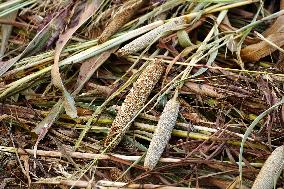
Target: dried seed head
[133, 102]
[162, 133]
[146, 39]
[271, 170]
[126, 12]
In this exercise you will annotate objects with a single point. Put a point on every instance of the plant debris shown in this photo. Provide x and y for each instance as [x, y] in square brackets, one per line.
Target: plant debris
[141, 94]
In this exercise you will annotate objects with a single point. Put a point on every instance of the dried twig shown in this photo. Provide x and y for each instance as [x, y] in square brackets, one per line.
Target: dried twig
[104, 184]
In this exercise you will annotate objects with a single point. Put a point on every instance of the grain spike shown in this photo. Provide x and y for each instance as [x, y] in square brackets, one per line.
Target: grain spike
[162, 133]
[133, 102]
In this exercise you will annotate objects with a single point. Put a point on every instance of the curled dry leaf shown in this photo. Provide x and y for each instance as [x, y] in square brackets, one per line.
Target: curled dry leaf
[133, 102]
[255, 52]
[183, 39]
[271, 170]
[274, 34]
[162, 133]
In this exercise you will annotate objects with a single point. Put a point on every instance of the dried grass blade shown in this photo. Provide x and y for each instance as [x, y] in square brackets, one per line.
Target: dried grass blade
[215, 32]
[8, 4]
[6, 31]
[77, 57]
[159, 10]
[43, 127]
[38, 42]
[250, 129]
[17, 5]
[85, 14]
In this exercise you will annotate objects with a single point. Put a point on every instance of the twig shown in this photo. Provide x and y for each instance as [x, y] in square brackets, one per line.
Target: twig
[18, 24]
[80, 155]
[105, 184]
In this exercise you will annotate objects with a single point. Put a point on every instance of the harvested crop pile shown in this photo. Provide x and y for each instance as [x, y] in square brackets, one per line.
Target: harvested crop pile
[142, 94]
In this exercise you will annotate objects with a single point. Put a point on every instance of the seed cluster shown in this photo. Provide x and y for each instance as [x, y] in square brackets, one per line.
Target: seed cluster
[271, 170]
[133, 102]
[120, 18]
[162, 134]
[146, 39]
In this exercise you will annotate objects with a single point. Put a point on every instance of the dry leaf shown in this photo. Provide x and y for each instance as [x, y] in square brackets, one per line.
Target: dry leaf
[89, 67]
[255, 52]
[6, 31]
[202, 89]
[84, 15]
[274, 34]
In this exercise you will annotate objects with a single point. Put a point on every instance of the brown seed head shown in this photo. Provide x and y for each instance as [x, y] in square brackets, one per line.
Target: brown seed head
[120, 18]
[133, 102]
